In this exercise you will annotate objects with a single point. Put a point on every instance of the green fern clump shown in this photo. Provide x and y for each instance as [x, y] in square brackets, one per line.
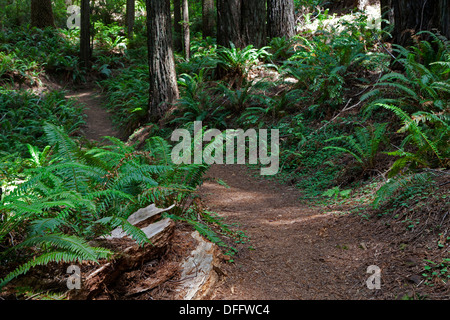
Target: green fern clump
[237, 62]
[363, 146]
[423, 86]
[324, 65]
[72, 195]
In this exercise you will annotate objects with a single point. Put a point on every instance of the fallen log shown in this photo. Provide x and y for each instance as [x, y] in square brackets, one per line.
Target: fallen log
[129, 255]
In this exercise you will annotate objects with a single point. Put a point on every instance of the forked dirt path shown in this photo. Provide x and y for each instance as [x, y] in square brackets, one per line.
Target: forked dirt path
[296, 252]
[98, 122]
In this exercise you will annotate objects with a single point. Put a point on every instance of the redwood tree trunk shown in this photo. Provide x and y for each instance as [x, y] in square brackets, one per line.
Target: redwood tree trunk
[186, 31]
[42, 14]
[85, 48]
[178, 43]
[163, 80]
[280, 18]
[253, 22]
[208, 18]
[229, 23]
[130, 17]
[444, 10]
[412, 16]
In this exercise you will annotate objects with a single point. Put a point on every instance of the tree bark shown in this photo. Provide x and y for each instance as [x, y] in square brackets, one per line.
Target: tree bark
[178, 42]
[280, 18]
[253, 22]
[131, 8]
[444, 9]
[186, 31]
[42, 14]
[229, 23]
[412, 16]
[85, 48]
[163, 80]
[208, 18]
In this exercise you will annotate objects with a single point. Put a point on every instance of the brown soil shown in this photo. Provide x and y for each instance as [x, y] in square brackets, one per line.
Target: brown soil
[301, 252]
[98, 122]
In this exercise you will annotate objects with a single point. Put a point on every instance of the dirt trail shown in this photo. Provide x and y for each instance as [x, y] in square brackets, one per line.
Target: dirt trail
[98, 122]
[299, 252]
[295, 252]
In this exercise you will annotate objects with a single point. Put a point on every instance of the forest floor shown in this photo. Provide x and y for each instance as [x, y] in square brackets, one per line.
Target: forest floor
[296, 250]
[98, 122]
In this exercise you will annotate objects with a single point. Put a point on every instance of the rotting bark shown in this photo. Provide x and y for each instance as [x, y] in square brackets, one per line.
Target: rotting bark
[133, 256]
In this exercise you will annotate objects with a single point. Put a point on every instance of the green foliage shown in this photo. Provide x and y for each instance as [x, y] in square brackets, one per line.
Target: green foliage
[29, 51]
[324, 64]
[127, 97]
[335, 193]
[196, 102]
[434, 271]
[424, 86]
[402, 187]
[72, 195]
[238, 62]
[23, 115]
[428, 133]
[363, 146]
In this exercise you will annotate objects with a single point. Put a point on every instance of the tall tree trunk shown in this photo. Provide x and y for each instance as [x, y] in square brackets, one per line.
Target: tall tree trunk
[229, 23]
[178, 43]
[42, 14]
[186, 31]
[280, 18]
[253, 22]
[163, 81]
[131, 8]
[412, 16]
[444, 9]
[85, 23]
[208, 18]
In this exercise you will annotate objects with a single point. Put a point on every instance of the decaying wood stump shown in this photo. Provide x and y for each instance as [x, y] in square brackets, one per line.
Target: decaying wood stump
[129, 255]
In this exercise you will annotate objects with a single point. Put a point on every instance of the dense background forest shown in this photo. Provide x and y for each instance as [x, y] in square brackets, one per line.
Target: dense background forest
[360, 91]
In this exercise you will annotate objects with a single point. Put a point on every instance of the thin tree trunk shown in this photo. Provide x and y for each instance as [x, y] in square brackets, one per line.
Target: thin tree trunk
[178, 43]
[229, 23]
[386, 13]
[280, 18]
[42, 14]
[163, 81]
[186, 31]
[208, 18]
[131, 9]
[253, 23]
[85, 48]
